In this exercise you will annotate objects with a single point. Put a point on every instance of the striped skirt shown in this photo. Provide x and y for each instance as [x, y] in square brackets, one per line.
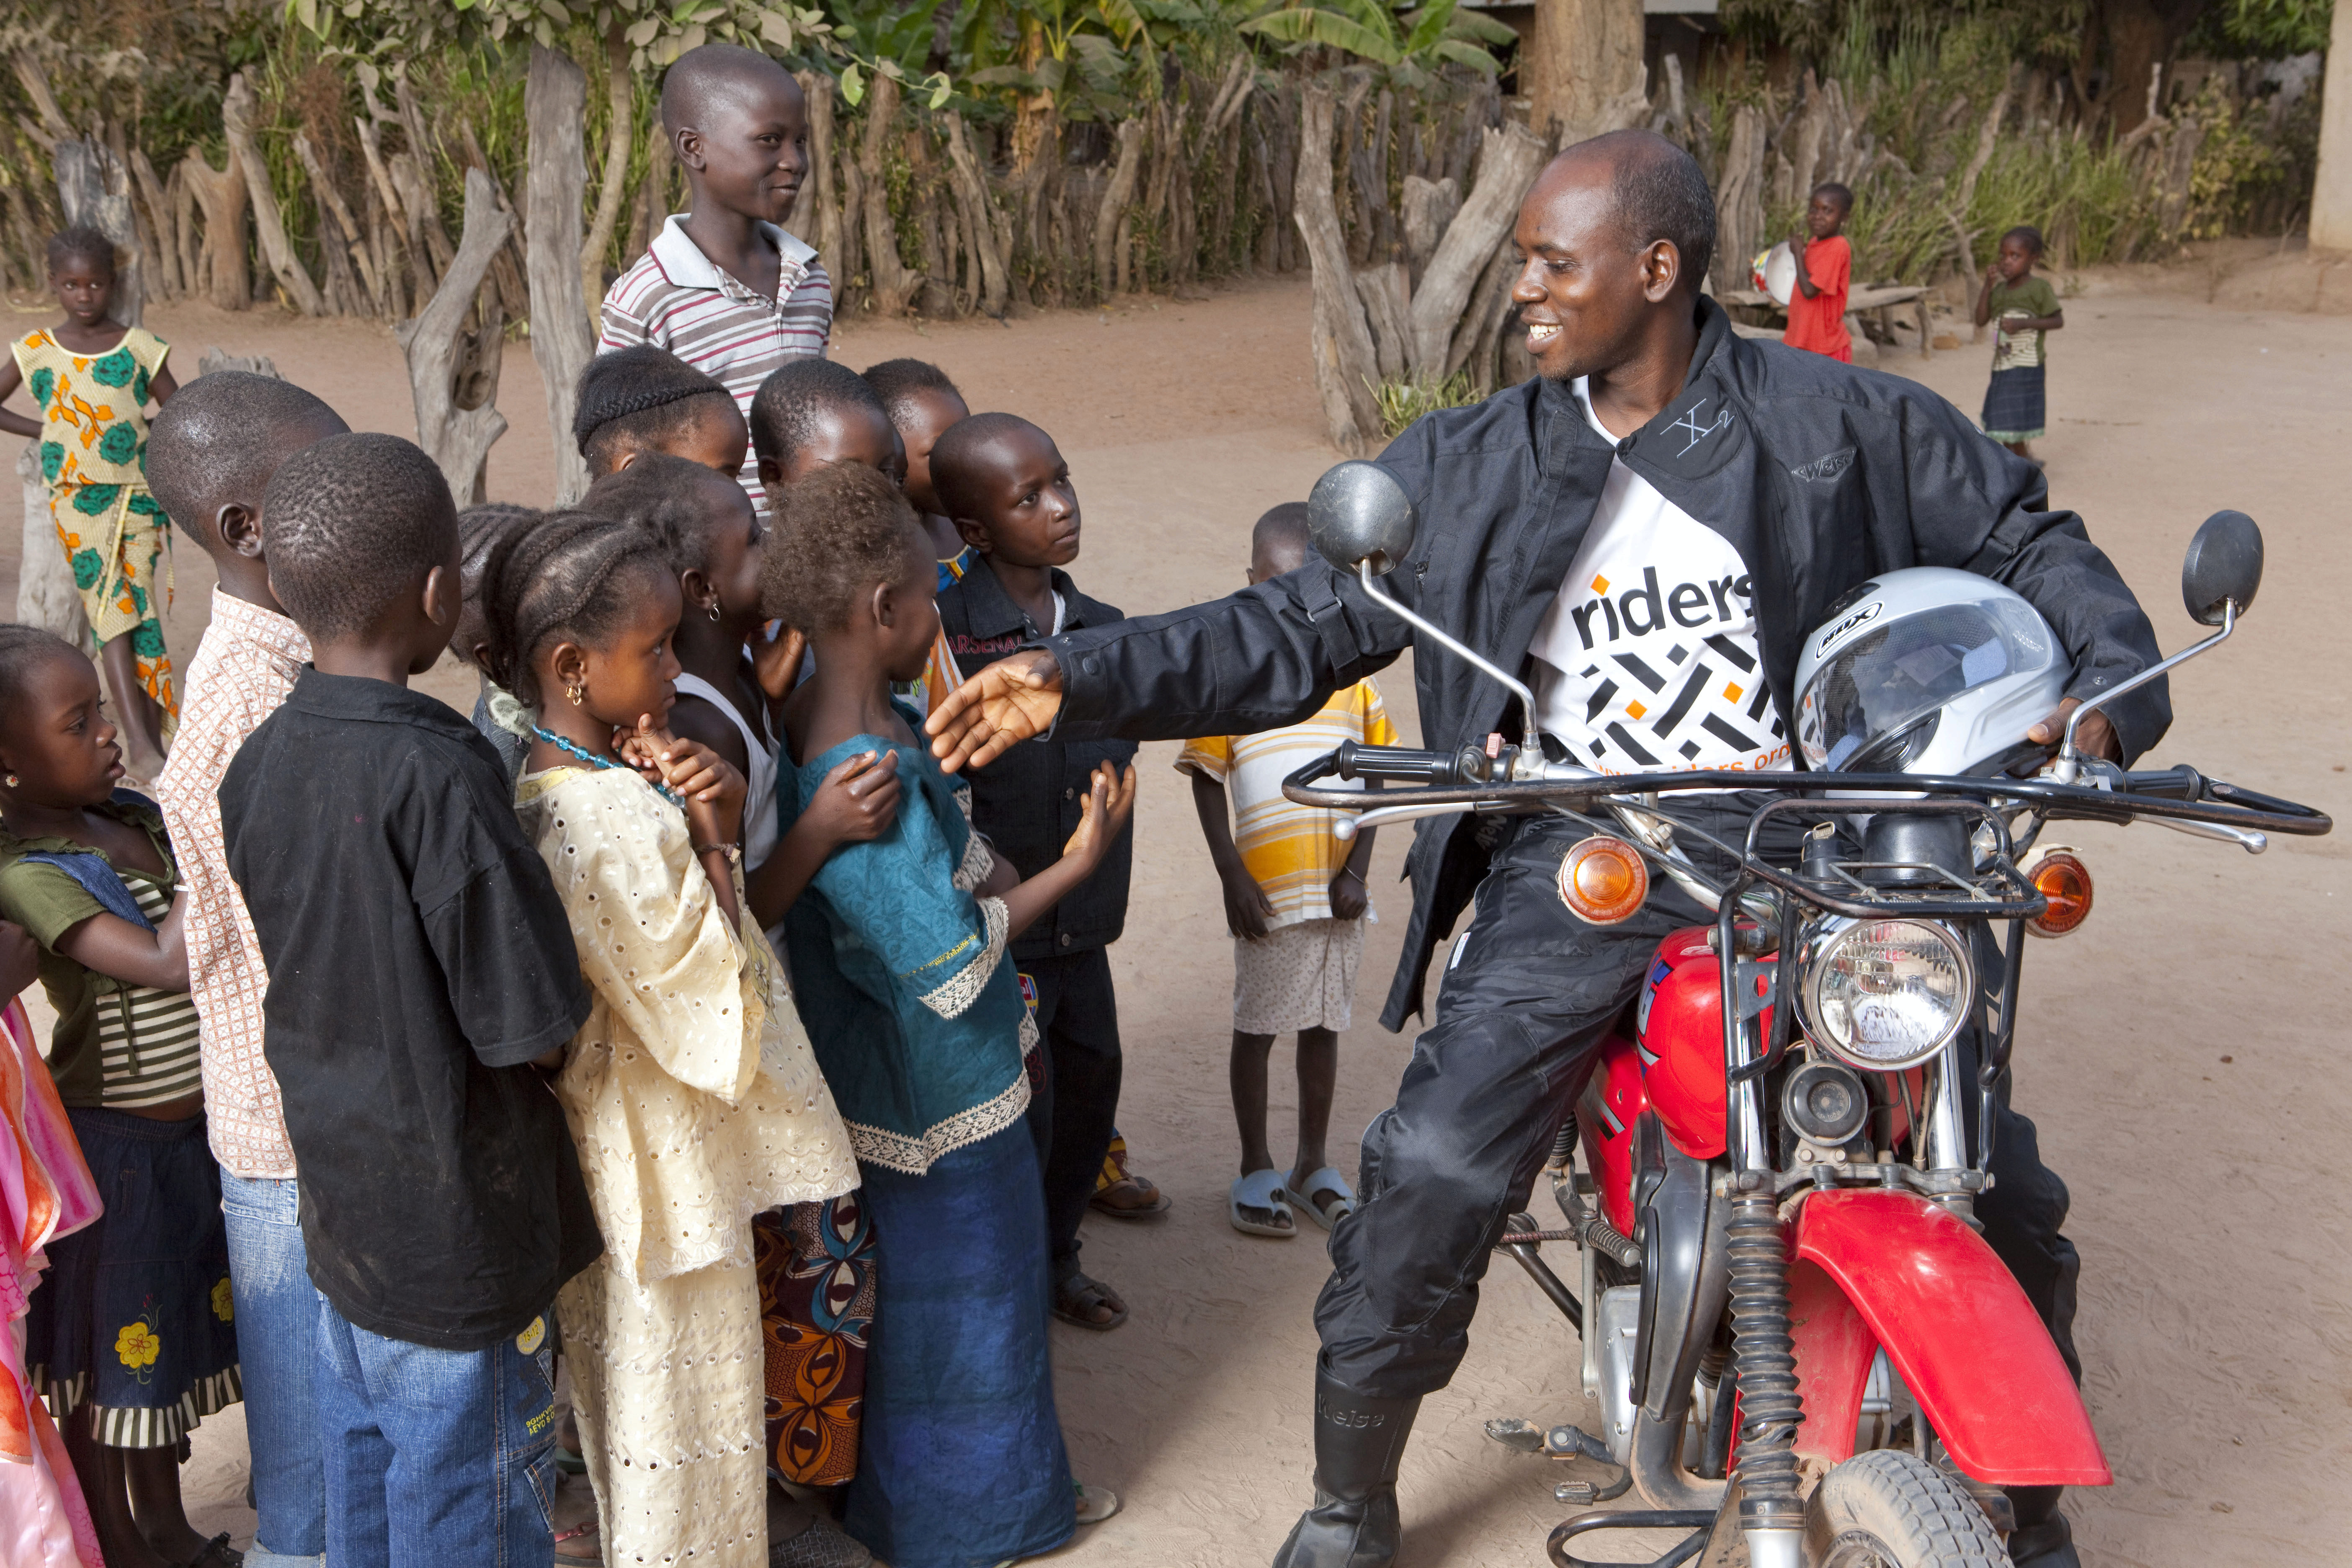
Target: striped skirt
[135, 1317]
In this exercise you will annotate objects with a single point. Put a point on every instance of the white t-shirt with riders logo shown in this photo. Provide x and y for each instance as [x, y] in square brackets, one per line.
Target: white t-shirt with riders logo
[1647, 661]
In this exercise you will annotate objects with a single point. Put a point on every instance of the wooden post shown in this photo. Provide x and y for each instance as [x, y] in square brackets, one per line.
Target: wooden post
[236, 120]
[2331, 193]
[1113, 210]
[221, 195]
[1508, 161]
[436, 343]
[1345, 363]
[621, 135]
[555, 97]
[895, 283]
[991, 237]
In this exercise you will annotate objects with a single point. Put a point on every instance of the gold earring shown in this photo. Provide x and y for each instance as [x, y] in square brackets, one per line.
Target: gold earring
[577, 691]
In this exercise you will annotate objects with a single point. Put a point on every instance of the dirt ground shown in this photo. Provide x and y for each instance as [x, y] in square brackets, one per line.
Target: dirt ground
[2186, 1097]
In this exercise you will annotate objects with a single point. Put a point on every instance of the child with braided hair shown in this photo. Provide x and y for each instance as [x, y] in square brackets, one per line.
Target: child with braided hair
[695, 1102]
[643, 399]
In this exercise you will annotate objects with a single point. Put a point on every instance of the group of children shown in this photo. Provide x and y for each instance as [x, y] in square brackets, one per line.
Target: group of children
[2021, 308]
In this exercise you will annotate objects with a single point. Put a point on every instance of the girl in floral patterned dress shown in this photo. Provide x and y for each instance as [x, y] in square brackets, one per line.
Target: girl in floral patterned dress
[133, 1338]
[90, 379]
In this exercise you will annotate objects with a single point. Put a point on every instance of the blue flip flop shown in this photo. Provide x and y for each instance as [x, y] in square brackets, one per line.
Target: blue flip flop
[1261, 1190]
[1327, 1180]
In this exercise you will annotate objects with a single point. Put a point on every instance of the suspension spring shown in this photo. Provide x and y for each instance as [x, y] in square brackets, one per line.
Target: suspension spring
[1769, 1410]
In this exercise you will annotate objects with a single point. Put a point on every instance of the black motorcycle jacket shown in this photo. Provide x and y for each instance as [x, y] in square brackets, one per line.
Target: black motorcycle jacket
[1819, 475]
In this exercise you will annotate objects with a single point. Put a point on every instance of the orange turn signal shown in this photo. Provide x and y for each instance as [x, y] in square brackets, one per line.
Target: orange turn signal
[1603, 880]
[2066, 882]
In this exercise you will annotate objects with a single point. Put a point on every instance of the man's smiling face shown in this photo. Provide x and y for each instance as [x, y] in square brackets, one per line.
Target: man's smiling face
[1584, 287]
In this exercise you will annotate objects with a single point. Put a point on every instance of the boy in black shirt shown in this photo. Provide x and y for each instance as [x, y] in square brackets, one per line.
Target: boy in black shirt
[1004, 482]
[421, 969]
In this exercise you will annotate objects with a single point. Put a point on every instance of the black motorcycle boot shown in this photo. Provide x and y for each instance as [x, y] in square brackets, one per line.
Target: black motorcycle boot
[2042, 1538]
[1359, 1443]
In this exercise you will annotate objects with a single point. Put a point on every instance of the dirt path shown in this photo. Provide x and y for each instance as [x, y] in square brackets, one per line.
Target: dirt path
[2182, 1053]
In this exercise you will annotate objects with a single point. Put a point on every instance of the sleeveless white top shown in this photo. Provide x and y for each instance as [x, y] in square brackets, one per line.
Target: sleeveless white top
[759, 831]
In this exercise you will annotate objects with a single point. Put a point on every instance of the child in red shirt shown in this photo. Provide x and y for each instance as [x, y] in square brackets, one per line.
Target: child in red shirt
[1824, 273]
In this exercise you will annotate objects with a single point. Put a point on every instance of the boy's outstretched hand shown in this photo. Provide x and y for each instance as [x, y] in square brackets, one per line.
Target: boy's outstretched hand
[1011, 700]
[1109, 805]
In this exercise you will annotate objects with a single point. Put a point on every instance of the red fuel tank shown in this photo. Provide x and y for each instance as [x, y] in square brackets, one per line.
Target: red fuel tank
[1678, 1029]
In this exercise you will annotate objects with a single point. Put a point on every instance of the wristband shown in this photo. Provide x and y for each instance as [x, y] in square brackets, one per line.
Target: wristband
[734, 852]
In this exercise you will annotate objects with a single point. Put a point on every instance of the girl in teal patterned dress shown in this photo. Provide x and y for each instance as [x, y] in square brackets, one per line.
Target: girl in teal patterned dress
[92, 379]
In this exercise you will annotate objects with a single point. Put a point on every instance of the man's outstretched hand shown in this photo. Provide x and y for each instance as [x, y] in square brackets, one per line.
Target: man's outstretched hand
[1011, 702]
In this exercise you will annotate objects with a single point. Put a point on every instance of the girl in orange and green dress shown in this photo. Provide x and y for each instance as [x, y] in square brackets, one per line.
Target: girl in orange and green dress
[92, 379]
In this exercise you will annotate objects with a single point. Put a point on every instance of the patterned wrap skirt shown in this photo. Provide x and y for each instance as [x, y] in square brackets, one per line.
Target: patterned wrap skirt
[1297, 977]
[117, 540]
[2013, 405]
[815, 1264]
[135, 1318]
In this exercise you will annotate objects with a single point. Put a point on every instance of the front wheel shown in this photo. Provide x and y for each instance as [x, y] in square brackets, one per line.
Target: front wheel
[1889, 1510]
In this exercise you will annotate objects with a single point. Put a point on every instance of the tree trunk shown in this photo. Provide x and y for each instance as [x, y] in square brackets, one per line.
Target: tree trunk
[1739, 200]
[340, 236]
[94, 187]
[221, 193]
[621, 106]
[405, 232]
[1508, 162]
[1121, 191]
[555, 97]
[436, 343]
[1484, 321]
[236, 119]
[2331, 193]
[183, 223]
[46, 595]
[653, 190]
[895, 284]
[991, 239]
[1032, 113]
[163, 280]
[1582, 67]
[2141, 36]
[823, 226]
[1344, 361]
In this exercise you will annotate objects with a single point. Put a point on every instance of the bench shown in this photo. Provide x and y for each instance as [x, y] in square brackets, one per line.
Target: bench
[1882, 300]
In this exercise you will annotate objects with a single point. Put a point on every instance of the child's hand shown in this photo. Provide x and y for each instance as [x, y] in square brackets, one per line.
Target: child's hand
[1110, 802]
[776, 660]
[857, 802]
[1350, 897]
[1248, 909]
[711, 788]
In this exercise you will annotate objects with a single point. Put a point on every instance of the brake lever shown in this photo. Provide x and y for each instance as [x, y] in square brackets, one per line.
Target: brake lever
[2245, 838]
[1346, 827]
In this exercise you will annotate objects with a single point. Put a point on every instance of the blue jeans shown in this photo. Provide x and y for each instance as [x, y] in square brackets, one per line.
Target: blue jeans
[436, 1456]
[276, 1339]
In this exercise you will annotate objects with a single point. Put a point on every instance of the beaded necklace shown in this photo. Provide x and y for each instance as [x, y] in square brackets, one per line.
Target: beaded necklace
[594, 761]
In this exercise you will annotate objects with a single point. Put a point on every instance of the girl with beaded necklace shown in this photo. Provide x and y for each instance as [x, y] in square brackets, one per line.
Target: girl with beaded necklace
[691, 1090]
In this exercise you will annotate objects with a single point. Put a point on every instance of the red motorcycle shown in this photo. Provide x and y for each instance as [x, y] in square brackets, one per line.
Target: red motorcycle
[1798, 1340]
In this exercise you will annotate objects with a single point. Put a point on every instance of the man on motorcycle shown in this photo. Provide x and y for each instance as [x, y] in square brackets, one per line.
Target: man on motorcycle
[1653, 526]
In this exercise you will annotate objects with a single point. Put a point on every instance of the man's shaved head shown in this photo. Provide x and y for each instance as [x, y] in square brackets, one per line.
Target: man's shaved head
[1657, 191]
[715, 74]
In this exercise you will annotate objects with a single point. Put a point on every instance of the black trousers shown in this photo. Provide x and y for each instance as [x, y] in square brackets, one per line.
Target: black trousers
[1528, 994]
[1070, 1119]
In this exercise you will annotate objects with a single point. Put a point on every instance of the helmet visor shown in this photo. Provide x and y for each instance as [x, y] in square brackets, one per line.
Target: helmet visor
[1895, 674]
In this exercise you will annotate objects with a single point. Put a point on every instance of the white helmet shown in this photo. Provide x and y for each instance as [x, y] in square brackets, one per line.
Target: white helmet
[1927, 670]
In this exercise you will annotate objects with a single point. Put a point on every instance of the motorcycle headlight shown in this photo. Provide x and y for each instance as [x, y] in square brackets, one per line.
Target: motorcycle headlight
[1886, 995]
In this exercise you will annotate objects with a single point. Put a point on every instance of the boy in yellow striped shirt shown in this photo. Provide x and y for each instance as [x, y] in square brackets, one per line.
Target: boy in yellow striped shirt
[1297, 904]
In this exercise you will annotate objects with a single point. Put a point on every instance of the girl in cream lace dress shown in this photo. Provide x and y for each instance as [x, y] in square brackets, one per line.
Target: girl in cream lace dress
[692, 1089]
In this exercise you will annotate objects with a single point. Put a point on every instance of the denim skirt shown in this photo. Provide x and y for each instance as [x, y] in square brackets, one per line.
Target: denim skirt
[134, 1317]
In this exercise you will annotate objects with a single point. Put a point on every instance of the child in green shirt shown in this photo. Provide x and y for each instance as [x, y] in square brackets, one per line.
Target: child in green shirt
[2026, 308]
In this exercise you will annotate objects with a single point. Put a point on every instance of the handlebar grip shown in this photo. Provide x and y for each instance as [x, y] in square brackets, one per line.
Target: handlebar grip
[1401, 765]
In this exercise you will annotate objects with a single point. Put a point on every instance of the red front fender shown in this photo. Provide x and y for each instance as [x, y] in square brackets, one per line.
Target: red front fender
[1893, 1269]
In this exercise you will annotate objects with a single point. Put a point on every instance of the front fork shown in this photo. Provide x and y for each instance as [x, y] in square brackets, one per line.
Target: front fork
[1771, 1514]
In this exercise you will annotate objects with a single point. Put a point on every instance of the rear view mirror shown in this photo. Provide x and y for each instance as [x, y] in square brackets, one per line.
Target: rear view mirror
[2225, 565]
[1358, 515]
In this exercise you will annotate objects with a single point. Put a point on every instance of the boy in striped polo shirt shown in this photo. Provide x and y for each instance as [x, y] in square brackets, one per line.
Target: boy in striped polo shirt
[1297, 903]
[722, 286]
